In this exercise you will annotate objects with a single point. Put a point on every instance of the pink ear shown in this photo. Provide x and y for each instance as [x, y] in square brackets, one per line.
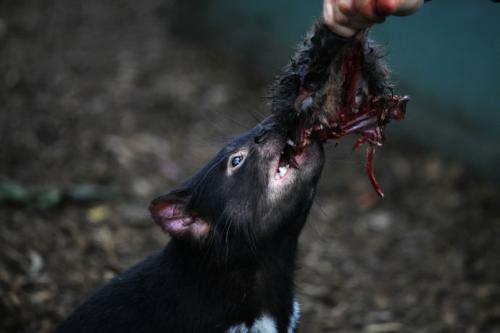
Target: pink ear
[170, 215]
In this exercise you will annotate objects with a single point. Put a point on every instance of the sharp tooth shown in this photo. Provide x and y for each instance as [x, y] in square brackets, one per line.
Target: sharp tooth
[282, 171]
[290, 142]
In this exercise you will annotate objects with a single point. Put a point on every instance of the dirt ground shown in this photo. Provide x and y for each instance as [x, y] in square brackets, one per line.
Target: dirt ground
[103, 108]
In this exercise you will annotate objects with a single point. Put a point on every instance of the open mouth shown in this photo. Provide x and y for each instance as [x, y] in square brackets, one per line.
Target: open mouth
[291, 158]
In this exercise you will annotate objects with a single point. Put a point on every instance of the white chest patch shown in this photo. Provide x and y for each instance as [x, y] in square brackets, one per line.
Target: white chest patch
[267, 324]
[264, 324]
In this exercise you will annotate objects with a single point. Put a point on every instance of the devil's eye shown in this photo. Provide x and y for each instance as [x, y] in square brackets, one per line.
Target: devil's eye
[236, 160]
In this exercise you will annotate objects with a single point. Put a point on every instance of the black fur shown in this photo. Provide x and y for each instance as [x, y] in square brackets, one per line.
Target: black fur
[243, 268]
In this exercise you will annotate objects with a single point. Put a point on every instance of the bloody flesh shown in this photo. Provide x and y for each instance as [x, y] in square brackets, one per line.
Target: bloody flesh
[367, 118]
[335, 87]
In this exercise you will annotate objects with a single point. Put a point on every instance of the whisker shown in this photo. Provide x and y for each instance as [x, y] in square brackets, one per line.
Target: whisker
[317, 233]
[245, 127]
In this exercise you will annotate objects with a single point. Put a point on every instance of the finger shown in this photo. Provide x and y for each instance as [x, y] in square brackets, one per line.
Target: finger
[368, 10]
[328, 11]
[385, 7]
[353, 23]
[336, 20]
[346, 7]
[357, 19]
[407, 7]
[359, 22]
[343, 30]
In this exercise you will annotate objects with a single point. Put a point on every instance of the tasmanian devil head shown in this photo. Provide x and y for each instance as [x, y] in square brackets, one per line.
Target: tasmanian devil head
[255, 187]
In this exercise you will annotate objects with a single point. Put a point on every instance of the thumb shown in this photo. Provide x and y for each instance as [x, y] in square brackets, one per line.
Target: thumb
[397, 7]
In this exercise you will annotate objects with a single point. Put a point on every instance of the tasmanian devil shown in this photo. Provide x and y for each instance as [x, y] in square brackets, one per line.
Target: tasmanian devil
[229, 266]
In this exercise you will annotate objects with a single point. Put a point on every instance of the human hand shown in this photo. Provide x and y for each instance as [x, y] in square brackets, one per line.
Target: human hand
[348, 17]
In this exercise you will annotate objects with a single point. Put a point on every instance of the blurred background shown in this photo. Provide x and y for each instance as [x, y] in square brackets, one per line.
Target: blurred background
[104, 105]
